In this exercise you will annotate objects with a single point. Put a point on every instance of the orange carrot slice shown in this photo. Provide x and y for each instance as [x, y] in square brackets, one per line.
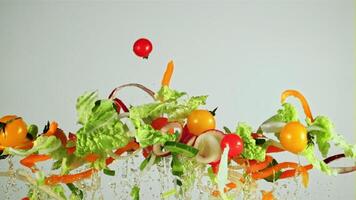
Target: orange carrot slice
[302, 100]
[168, 74]
[271, 170]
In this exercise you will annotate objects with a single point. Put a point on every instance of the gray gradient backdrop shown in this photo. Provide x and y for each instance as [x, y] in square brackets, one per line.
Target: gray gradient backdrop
[243, 54]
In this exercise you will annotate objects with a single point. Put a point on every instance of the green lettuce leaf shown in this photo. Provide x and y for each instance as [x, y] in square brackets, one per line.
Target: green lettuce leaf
[146, 136]
[323, 130]
[42, 145]
[102, 131]
[286, 114]
[309, 154]
[167, 94]
[84, 105]
[251, 151]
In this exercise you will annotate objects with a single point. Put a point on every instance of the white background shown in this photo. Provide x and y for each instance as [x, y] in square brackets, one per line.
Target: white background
[242, 53]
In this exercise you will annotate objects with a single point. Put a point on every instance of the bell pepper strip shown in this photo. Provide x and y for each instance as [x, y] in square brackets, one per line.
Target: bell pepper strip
[271, 170]
[274, 149]
[32, 159]
[71, 150]
[257, 166]
[168, 74]
[72, 137]
[52, 129]
[302, 100]
[69, 178]
[61, 136]
[130, 146]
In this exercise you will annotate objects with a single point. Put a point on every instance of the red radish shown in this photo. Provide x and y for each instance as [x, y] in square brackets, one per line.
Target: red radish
[208, 145]
[146, 151]
[235, 143]
[175, 126]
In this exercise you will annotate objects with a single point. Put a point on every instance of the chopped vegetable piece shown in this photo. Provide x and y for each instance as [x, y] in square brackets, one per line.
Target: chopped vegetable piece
[180, 148]
[302, 100]
[109, 172]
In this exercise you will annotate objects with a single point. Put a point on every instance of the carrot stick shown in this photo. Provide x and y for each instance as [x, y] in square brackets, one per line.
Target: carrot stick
[52, 129]
[168, 74]
[257, 166]
[130, 146]
[69, 178]
[31, 160]
[292, 172]
[271, 170]
[302, 100]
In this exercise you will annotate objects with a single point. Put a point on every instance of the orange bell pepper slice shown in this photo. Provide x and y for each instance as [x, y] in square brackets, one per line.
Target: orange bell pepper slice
[32, 159]
[302, 100]
[257, 166]
[130, 146]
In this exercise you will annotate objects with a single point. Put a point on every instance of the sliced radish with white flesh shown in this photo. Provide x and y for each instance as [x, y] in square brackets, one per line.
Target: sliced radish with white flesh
[272, 127]
[208, 145]
[145, 89]
[191, 141]
[177, 127]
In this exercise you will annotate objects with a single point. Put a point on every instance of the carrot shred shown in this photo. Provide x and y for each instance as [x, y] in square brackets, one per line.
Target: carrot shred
[271, 170]
[229, 186]
[302, 100]
[257, 166]
[130, 146]
[168, 74]
[69, 178]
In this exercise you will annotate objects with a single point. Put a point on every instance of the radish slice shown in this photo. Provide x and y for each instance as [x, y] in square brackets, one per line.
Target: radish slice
[191, 141]
[177, 127]
[145, 89]
[272, 127]
[208, 145]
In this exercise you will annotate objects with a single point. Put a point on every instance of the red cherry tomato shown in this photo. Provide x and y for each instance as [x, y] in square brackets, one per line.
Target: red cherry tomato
[142, 47]
[235, 144]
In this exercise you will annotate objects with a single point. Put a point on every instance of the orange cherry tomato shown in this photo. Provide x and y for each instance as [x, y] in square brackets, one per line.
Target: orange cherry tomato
[293, 137]
[14, 133]
[200, 121]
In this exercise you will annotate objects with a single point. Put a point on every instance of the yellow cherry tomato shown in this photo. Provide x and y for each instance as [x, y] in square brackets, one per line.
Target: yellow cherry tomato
[14, 132]
[200, 121]
[293, 137]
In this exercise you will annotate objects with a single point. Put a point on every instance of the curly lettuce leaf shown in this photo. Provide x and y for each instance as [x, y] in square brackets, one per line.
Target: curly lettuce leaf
[167, 94]
[309, 154]
[102, 131]
[288, 113]
[146, 136]
[84, 105]
[251, 151]
[322, 129]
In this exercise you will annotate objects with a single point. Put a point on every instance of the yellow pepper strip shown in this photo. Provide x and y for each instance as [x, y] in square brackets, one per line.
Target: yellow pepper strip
[302, 100]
